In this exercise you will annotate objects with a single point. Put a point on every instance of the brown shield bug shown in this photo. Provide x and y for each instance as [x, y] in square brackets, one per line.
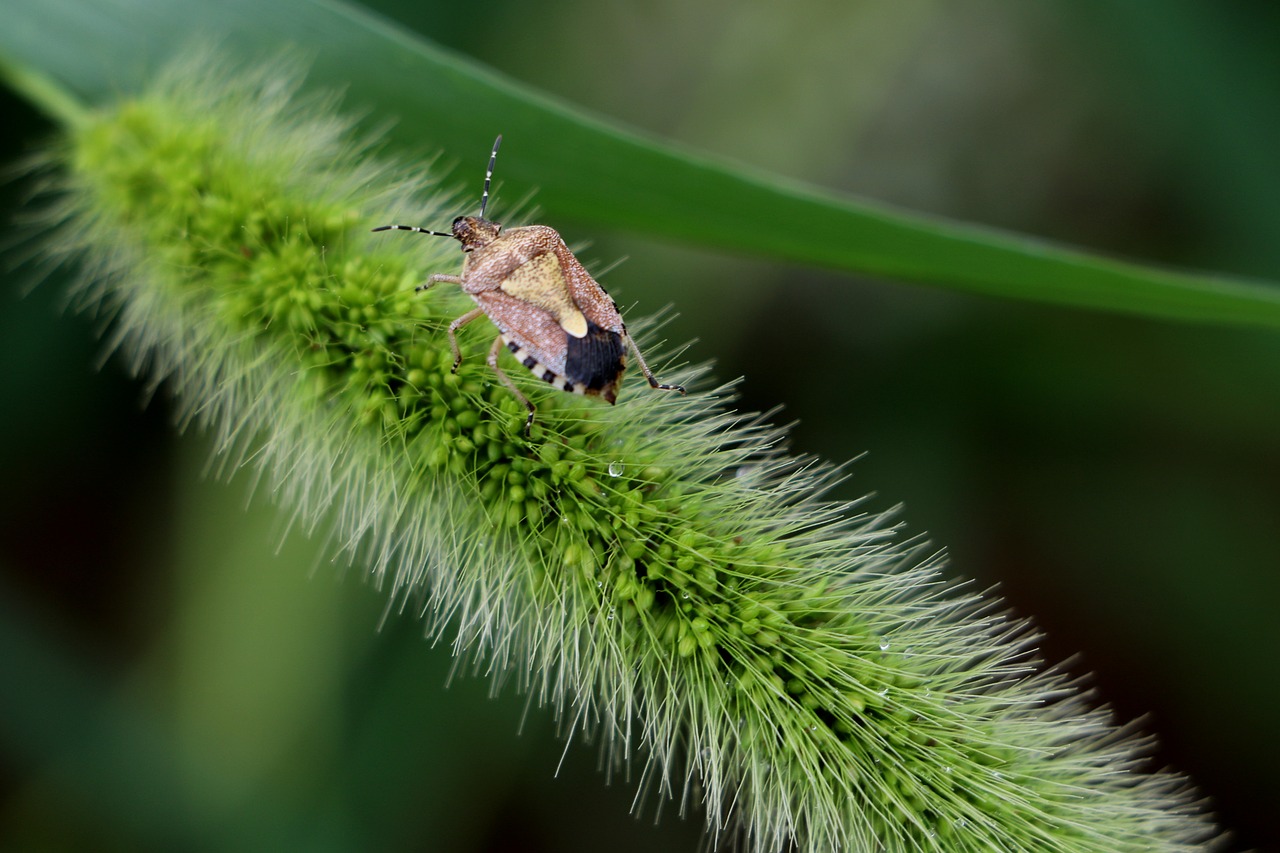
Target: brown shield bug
[551, 314]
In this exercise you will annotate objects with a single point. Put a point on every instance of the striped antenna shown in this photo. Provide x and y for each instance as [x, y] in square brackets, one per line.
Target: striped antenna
[484, 200]
[413, 228]
[488, 175]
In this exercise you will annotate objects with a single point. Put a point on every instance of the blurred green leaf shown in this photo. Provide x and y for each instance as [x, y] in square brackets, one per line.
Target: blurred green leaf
[587, 169]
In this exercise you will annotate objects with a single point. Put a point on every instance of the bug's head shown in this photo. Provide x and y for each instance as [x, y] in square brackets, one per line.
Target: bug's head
[474, 233]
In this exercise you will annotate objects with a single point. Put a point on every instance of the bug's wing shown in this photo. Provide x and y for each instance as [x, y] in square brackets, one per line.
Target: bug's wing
[533, 329]
[586, 293]
[592, 364]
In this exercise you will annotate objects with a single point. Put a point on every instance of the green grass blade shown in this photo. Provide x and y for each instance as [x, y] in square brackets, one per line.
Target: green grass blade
[593, 171]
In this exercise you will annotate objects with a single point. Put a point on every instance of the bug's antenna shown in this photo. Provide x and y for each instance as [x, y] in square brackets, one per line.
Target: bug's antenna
[488, 175]
[484, 200]
[415, 229]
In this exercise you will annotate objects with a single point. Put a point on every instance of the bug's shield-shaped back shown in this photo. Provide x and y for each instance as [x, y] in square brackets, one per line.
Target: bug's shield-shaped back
[541, 282]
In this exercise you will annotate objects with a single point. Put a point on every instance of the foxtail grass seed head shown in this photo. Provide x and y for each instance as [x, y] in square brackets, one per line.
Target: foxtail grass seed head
[658, 572]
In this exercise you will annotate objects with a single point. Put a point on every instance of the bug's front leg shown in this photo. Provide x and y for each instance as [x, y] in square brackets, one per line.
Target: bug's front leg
[511, 386]
[436, 277]
[453, 332]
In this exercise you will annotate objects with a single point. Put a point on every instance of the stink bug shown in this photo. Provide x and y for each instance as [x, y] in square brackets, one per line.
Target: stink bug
[551, 314]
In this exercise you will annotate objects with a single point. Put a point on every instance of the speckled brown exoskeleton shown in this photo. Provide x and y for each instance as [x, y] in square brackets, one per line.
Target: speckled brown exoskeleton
[551, 314]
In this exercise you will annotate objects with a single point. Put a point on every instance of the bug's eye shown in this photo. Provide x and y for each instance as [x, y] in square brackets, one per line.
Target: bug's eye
[457, 220]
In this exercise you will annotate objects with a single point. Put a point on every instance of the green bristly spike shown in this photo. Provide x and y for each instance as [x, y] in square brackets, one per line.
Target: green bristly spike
[657, 571]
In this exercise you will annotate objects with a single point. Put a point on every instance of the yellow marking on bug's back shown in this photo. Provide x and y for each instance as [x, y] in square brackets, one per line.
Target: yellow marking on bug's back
[540, 282]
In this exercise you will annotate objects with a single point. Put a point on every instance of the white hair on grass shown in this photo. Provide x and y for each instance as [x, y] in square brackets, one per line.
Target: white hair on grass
[661, 573]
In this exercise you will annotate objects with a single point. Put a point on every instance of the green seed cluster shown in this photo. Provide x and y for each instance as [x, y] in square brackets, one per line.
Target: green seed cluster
[802, 665]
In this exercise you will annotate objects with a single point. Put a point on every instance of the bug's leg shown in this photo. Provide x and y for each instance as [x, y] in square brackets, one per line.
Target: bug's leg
[648, 374]
[453, 334]
[432, 279]
[511, 386]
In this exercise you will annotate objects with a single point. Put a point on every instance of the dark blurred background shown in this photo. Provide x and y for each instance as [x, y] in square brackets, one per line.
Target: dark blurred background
[183, 680]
